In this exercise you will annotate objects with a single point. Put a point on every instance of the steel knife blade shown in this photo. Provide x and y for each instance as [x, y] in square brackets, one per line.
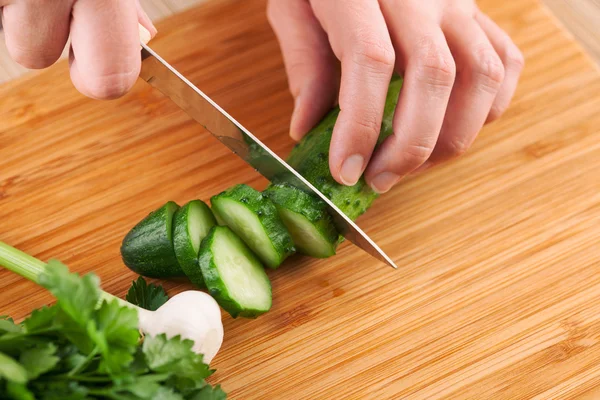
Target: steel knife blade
[162, 76]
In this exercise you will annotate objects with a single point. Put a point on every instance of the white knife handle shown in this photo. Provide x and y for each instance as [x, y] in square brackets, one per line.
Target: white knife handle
[145, 35]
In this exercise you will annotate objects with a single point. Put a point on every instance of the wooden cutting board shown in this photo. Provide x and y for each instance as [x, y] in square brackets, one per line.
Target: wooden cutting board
[498, 291]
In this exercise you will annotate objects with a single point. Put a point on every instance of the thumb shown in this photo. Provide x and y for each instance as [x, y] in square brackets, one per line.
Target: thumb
[311, 66]
[144, 20]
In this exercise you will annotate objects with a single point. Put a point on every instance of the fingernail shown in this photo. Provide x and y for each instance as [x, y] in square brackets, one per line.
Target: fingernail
[384, 182]
[294, 133]
[153, 29]
[145, 19]
[352, 169]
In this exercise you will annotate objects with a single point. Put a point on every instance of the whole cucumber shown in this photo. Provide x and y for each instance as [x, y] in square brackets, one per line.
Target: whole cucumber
[310, 157]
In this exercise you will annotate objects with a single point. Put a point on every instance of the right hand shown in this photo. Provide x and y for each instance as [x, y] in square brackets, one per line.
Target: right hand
[104, 57]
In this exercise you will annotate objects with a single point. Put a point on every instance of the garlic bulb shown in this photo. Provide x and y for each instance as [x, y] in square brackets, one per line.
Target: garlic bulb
[191, 314]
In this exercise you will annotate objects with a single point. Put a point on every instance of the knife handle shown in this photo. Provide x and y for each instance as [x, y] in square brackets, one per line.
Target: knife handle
[145, 35]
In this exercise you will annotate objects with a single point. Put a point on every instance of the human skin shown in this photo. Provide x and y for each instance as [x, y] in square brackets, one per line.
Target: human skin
[460, 69]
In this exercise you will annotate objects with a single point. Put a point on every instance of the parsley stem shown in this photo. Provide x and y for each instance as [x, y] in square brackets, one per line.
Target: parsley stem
[84, 362]
[21, 263]
[30, 268]
[81, 378]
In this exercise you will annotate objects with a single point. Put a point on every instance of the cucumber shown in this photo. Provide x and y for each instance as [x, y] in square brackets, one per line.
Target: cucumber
[254, 218]
[148, 248]
[233, 274]
[191, 224]
[310, 157]
[306, 218]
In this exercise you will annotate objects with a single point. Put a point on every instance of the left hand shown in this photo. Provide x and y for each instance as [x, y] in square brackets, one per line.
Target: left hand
[460, 71]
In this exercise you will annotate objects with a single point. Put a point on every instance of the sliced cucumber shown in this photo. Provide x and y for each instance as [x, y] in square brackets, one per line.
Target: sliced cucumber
[148, 248]
[233, 274]
[307, 220]
[310, 157]
[191, 224]
[254, 218]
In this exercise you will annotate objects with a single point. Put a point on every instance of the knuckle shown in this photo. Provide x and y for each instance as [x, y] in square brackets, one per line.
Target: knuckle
[514, 57]
[456, 147]
[296, 62]
[487, 68]
[368, 125]
[375, 53]
[434, 64]
[110, 86]
[417, 154]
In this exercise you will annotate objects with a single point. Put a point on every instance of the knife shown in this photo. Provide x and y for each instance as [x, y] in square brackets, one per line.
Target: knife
[162, 76]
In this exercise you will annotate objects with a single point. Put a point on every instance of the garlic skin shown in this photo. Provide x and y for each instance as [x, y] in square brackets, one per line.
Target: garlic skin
[191, 314]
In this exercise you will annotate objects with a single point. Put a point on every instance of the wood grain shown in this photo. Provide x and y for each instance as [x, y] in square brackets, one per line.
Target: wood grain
[580, 17]
[497, 296]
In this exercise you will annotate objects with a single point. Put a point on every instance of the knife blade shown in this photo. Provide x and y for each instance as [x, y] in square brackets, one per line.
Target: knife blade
[162, 76]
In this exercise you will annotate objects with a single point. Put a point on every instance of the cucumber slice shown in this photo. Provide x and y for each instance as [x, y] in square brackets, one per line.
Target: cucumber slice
[254, 218]
[233, 274]
[306, 218]
[148, 248]
[191, 224]
[310, 157]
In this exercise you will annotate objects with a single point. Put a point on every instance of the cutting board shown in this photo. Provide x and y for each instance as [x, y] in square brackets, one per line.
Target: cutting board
[498, 290]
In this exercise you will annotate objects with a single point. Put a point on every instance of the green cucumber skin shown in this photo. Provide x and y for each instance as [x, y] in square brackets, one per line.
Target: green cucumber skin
[185, 253]
[210, 276]
[311, 208]
[310, 157]
[148, 247]
[268, 216]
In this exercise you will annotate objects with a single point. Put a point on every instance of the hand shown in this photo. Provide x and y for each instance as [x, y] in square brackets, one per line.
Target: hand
[105, 41]
[460, 71]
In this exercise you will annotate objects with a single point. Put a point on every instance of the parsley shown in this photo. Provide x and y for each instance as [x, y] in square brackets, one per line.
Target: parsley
[150, 297]
[81, 348]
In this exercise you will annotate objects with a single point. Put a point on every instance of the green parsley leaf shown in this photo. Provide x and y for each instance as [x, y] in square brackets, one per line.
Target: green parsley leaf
[42, 318]
[164, 393]
[18, 391]
[77, 295]
[117, 335]
[76, 333]
[70, 357]
[79, 349]
[39, 360]
[209, 393]
[150, 297]
[12, 343]
[60, 390]
[143, 388]
[176, 356]
[11, 370]
[8, 325]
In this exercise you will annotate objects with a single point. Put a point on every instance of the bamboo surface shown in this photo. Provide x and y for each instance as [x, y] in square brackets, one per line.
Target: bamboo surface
[498, 291]
[580, 17]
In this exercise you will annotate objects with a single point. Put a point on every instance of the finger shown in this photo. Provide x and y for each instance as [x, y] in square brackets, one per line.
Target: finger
[309, 62]
[479, 77]
[145, 20]
[36, 32]
[429, 73]
[359, 38]
[511, 57]
[105, 47]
